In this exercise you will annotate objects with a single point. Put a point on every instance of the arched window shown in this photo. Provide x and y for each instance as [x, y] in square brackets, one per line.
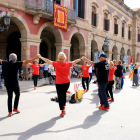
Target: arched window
[123, 29]
[129, 33]
[138, 35]
[106, 22]
[94, 16]
[115, 26]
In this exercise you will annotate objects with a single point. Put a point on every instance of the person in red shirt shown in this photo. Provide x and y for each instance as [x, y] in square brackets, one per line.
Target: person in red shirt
[85, 77]
[62, 78]
[35, 66]
[111, 82]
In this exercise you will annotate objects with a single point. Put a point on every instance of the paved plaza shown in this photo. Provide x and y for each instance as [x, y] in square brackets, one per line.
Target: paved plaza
[39, 118]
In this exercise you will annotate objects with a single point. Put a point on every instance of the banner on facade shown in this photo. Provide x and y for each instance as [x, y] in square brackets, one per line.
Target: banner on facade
[132, 60]
[60, 17]
[126, 59]
[129, 62]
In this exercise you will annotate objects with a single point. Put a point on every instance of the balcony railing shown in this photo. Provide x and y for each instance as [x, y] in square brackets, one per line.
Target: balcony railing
[47, 6]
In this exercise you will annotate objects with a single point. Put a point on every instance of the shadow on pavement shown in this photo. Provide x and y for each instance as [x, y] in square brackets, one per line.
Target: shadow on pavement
[36, 130]
[90, 121]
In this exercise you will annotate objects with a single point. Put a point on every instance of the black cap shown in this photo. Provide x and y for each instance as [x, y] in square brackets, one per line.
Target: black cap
[103, 55]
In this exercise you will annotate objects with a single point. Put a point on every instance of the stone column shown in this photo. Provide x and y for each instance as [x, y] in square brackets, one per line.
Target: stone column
[110, 55]
[29, 49]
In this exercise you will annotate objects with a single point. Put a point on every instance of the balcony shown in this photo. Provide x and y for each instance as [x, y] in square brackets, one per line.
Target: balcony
[45, 8]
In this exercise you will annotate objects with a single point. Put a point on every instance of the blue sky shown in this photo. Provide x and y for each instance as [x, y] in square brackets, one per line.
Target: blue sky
[132, 3]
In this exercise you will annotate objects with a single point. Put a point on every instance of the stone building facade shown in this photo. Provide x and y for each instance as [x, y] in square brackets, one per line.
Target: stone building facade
[31, 30]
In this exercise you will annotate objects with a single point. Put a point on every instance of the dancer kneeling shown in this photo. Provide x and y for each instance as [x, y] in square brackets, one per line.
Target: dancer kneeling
[62, 78]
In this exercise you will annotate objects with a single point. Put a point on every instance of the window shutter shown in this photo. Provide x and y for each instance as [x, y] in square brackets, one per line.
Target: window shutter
[108, 25]
[82, 9]
[58, 2]
[122, 32]
[129, 35]
[95, 19]
[138, 37]
[92, 18]
[116, 29]
[104, 24]
[74, 4]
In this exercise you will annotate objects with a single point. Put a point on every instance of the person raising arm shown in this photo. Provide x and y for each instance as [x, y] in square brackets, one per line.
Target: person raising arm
[62, 78]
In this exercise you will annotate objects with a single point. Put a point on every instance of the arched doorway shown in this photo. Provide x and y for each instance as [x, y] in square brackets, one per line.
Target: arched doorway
[10, 42]
[94, 48]
[43, 49]
[114, 53]
[129, 52]
[77, 49]
[47, 46]
[122, 53]
[74, 50]
[14, 45]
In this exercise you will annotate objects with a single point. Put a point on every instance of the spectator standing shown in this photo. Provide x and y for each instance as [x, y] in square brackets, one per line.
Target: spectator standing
[118, 75]
[46, 70]
[90, 73]
[41, 71]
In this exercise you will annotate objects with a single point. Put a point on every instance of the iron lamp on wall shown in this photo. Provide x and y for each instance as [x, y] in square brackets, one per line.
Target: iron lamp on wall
[7, 19]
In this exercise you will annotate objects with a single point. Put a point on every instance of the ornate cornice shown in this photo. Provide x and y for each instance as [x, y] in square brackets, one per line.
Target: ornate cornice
[124, 8]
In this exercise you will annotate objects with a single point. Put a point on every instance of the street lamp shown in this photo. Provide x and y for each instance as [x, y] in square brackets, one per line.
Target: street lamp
[6, 21]
[106, 41]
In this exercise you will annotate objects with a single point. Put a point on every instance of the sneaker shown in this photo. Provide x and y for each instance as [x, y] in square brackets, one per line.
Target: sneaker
[105, 108]
[34, 88]
[10, 114]
[15, 110]
[62, 114]
[111, 100]
[101, 106]
[108, 98]
[86, 90]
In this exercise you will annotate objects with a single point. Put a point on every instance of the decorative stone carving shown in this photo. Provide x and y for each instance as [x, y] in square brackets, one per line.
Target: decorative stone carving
[36, 18]
[12, 11]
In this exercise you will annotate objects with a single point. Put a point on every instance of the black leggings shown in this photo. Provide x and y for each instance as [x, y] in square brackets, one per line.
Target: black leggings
[109, 88]
[35, 77]
[87, 82]
[10, 91]
[61, 93]
[90, 74]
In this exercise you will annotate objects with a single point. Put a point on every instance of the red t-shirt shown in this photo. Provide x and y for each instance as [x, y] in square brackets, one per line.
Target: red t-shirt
[85, 71]
[62, 72]
[35, 69]
[111, 74]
